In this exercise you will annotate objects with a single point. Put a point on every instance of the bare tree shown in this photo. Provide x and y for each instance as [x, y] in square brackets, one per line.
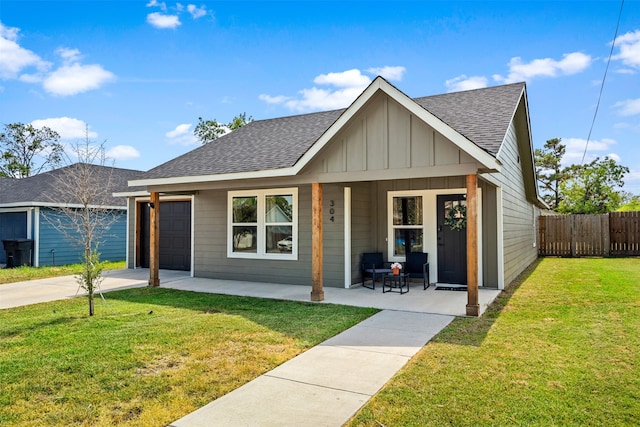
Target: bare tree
[85, 212]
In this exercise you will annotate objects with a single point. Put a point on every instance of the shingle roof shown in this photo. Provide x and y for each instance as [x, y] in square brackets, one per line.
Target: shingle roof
[481, 115]
[41, 188]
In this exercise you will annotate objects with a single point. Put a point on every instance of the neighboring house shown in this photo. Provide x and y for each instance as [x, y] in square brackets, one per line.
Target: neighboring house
[28, 205]
[388, 173]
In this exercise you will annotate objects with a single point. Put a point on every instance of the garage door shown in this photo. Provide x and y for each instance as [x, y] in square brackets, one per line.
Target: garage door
[175, 236]
[13, 225]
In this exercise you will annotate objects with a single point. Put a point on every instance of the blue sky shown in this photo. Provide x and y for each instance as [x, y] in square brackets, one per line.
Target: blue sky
[140, 73]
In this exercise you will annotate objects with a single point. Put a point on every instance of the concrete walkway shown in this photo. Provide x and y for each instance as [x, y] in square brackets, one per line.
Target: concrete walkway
[327, 384]
[323, 386]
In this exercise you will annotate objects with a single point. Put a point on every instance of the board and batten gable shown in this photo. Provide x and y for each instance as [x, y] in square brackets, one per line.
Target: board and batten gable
[386, 141]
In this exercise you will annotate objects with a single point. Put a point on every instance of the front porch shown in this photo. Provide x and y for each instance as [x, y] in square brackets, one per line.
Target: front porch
[416, 300]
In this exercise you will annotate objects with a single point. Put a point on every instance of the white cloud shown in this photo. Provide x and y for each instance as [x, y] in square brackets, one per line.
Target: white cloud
[463, 82]
[575, 150]
[155, 3]
[69, 56]
[14, 58]
[571, 63]
[70, 78]
[122, 152]
[346, 79]
[196, 12]
[628, 107]
[280, 99]
[182, 135]
[171, 20]
[390, 73]
[179, 130]
[161, 21]
[73, 79]
[629, 49]
[67, 127]
[342, 89]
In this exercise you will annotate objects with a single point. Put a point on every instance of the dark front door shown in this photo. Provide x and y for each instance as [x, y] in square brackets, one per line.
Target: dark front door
[452, 239]
[175, 236]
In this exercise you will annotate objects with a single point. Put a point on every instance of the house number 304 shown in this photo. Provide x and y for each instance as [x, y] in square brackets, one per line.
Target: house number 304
[332, 210]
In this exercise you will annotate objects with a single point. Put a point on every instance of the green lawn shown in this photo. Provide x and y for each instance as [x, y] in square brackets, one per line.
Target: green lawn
[20, 274]
[560, 348]
[149, 356]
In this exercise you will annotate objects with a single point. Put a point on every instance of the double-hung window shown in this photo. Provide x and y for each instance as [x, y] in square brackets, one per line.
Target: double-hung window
[263, 224]
[407, 229]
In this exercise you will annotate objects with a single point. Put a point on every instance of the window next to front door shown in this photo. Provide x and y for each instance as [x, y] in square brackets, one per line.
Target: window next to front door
[407, 226]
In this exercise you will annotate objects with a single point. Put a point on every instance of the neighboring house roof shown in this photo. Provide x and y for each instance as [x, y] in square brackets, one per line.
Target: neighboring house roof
[482, 116]
[40, 190]
[4, 182]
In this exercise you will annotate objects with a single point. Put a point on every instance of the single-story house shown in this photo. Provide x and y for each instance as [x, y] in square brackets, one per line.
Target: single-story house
[29, 206]
[299, 199]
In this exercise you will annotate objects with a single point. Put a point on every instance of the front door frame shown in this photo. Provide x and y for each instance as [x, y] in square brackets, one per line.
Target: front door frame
[429, 224]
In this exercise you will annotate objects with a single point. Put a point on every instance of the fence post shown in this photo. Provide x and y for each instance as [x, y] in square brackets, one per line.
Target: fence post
[572, 227]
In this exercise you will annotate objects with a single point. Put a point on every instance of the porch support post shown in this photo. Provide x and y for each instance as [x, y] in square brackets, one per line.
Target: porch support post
[317, 294]
[473, 308]
[154, 239]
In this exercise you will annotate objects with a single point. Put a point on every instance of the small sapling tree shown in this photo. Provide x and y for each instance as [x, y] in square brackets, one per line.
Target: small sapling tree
[84, 209]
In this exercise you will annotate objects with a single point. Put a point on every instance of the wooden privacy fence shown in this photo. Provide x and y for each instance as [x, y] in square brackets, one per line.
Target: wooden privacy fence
[613, 234]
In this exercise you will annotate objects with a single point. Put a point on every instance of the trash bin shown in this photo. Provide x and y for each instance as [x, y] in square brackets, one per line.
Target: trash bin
[18, 252]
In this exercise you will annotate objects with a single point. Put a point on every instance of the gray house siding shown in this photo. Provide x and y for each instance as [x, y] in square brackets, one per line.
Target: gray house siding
[362, 226]
[55, 249]
[490, 274]
[132, 222]
[518, 213]
[210, 242]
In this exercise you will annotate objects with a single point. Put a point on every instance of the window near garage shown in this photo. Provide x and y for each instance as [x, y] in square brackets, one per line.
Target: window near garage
[407, 225]
[263, 224]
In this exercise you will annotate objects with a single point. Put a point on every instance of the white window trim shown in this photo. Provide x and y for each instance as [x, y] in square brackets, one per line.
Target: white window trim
[390, 234]
[261, 224]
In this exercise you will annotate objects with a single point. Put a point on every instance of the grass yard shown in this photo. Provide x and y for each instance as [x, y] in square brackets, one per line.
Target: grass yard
[21, 274]
[149, 356]
[560, 348]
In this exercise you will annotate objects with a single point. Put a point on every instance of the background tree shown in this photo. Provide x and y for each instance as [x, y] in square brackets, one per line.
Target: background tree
[631, 203]
[550, 172]
[26, 150]
[593, 188]
[85, 189]
[209, 130]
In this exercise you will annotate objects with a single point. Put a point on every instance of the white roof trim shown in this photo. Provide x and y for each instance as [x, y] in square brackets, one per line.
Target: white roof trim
[56, 205]
[142, 193]
[269, 173]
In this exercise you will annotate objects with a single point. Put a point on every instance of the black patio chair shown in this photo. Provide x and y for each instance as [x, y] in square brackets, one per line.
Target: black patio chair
[373, 267]
[417, 265]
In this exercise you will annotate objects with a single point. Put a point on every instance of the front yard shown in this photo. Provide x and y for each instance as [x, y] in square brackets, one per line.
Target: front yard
[149, 356]
[561, 348]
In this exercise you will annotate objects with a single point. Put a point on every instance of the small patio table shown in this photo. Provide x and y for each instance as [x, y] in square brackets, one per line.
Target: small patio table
[396, 283]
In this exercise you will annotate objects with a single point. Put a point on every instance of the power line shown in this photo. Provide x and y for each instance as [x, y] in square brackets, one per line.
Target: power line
[615, 36]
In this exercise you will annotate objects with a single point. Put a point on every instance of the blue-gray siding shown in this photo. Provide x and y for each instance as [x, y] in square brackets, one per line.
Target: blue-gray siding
[56, 249]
